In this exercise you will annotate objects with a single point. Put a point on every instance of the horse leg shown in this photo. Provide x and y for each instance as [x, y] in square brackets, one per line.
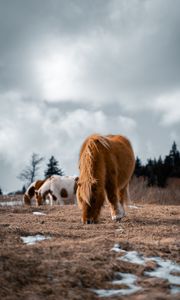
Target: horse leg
[124, 197]
[49, 199]
[39, 198]
[117, 211]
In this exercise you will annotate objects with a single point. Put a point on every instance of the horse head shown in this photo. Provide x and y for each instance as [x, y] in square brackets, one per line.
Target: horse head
[39, 198]
[88, 199]
[76, 184]
[26, 199]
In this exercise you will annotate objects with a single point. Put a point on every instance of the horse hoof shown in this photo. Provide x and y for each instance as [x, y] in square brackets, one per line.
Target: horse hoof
[89, 222]
[117, 218]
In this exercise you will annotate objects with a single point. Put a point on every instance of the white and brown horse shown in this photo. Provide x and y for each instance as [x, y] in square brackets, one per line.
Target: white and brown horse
[29, 195]
[59, 189]
[106, 164]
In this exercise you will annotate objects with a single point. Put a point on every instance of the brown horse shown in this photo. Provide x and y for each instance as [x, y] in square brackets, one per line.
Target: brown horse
[106, 164]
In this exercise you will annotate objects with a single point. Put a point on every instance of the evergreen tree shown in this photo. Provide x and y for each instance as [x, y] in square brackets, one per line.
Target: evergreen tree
[175, 160]
[1, 193]
[52, 168]
[168, 165]
[152, 177]
[138, 167]
[173, 150]
[161, 176]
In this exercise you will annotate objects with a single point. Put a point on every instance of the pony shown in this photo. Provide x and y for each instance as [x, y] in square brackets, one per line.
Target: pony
[30, 192]
[106, 164]
[59, 189]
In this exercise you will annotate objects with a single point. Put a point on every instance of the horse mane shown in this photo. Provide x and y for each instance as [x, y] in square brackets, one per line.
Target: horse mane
[86, 162]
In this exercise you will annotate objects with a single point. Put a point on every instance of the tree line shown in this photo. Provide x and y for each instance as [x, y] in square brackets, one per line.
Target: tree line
[157, 171]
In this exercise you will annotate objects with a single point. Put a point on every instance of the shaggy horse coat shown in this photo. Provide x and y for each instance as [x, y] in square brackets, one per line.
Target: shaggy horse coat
[30, 192]
[59, 189]
[106, 164]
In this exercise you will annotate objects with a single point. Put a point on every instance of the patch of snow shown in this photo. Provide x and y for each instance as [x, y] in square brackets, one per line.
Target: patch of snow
[38, 213]
[133, 206]
[164, 270]
[124, 279]
[133, 257]
[11, 203]
[30, 240]
[175, 289]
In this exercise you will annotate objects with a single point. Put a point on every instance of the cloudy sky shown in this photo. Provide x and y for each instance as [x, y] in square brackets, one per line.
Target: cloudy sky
[69, 68]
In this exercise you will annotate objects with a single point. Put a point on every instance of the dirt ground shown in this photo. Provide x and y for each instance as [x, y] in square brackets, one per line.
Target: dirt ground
[78, 258]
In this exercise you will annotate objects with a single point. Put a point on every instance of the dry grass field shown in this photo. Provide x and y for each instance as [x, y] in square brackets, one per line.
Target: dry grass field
[77, 261]
[154, 195]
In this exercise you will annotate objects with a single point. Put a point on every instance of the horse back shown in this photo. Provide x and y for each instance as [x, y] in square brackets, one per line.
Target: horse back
[39, 183]
[120, 159]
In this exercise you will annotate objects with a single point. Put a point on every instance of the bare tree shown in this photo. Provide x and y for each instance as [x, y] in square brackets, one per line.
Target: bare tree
[29, 173]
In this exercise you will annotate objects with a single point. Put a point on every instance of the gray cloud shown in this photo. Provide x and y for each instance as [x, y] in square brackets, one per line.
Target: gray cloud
[69, 68]
[132, 47]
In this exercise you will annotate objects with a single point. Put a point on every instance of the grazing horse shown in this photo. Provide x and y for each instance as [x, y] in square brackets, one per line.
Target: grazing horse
[30, 192]
[106, 164]
[60, 189]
